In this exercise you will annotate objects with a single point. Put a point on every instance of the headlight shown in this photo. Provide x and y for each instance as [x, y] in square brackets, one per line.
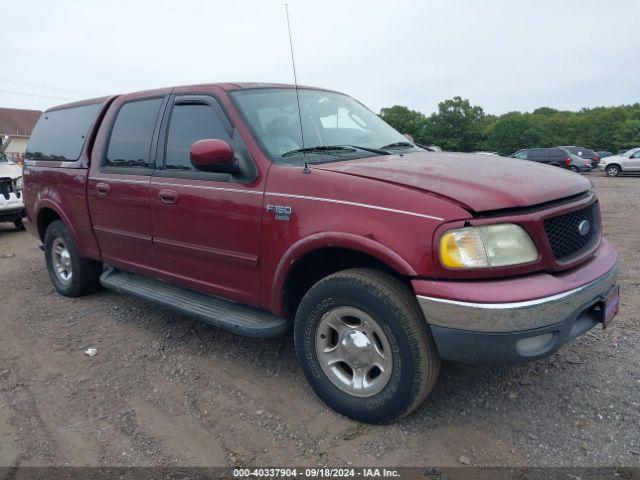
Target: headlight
[19, 183]
[488, 246]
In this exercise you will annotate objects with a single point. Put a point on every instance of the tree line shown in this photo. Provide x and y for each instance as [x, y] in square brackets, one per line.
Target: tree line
[459, 126]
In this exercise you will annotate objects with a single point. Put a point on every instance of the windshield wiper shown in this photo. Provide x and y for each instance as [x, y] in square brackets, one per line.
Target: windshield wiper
[329, 149]
[398, 145]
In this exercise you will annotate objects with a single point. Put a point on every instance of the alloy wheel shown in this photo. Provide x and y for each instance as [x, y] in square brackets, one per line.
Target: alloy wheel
[61, 259]
[354, 352]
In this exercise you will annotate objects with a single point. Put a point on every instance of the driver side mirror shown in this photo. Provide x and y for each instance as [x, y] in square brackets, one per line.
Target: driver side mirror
[212, 155]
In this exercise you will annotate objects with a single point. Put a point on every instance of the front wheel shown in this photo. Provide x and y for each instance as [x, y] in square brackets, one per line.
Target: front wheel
[364, 345]
[71, 274]
[18, 224]
[612, 171]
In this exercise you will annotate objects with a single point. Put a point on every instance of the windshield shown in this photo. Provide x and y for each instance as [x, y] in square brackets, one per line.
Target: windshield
[328, 119]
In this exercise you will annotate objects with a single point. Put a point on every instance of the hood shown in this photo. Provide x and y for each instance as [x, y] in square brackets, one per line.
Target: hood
[612, 158]
[10, 170]
[479, 182]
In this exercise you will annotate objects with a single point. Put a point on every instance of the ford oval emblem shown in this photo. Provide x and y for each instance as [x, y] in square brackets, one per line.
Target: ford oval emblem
[584, 227]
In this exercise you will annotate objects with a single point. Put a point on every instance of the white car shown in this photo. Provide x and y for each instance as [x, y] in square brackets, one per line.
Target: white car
[627, 162]
[11, 198]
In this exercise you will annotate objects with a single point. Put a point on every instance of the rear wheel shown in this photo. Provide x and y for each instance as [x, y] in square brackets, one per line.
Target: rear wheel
[72, 275]
[364, 345]
[574, 168]
[612, 170]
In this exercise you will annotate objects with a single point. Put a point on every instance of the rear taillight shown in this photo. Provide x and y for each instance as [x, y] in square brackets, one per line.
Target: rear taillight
[567, 161]
[596, 158]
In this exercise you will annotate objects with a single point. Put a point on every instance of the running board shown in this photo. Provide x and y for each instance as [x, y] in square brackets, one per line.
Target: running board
[225, 314]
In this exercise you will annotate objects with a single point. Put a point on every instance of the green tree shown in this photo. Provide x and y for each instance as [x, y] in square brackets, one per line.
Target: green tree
[406, 121]
[457, 125]
[627, 135]
[511, 131]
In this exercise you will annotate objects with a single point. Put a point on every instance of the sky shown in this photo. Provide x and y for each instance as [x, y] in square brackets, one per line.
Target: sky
[501, 55]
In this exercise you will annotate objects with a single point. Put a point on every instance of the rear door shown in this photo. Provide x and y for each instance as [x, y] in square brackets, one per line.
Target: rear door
[206, 225]
[557, 157]
[537, 155]
[118, 187]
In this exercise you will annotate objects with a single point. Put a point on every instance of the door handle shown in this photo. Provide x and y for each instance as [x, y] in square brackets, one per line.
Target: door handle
[169, 197]
[103, 188]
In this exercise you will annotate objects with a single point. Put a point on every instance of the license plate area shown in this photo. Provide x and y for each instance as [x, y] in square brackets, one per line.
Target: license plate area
[610, 306]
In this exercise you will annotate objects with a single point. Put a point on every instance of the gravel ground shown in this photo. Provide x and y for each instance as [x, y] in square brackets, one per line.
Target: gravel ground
[166, 390]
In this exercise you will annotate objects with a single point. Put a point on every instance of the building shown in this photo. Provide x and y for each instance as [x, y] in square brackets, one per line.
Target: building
[17, 124]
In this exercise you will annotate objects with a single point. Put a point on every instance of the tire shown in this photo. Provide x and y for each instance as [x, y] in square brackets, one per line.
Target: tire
[612, 171]
[84, 274]
[398, 330]
[574, 169]
[18, 223]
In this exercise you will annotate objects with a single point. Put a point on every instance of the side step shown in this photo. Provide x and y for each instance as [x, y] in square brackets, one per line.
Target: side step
[225, 314]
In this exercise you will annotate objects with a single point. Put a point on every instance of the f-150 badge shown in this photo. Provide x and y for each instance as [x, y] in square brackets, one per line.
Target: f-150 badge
[281, 212]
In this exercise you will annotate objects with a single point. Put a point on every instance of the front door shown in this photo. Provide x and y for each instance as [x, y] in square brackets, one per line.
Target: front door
[206, 225]
[632, 164]
[118, 187]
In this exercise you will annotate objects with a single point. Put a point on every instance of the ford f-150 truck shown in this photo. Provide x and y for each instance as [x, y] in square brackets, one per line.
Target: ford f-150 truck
[264, 209]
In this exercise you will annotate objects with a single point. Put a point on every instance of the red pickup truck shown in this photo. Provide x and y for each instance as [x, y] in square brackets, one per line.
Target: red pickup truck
[262, 209]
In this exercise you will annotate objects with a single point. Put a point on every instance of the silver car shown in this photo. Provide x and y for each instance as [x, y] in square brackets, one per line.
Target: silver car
[627, 162]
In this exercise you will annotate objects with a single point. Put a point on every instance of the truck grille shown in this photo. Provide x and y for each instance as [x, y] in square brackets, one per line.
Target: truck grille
[6, 187]
[566, 240]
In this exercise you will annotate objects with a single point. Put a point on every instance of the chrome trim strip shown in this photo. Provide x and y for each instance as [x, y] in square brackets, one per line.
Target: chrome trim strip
[515, 316]
[353, 204]
[500, 306]
[207, 187]
[118, 180]
[275, 194]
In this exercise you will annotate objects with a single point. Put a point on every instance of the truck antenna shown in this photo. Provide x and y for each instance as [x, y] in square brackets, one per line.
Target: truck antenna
[306, 170]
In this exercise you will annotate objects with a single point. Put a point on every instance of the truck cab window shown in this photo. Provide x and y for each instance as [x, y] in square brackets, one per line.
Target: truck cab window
[60, 134]
[130, 141]
[190, 123]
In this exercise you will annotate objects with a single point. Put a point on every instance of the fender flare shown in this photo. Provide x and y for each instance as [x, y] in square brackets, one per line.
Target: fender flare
[322, 240]
[48, 203]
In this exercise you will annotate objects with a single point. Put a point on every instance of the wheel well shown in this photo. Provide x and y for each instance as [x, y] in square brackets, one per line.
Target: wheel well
[45, 217]
[613, 165]
[318, 264]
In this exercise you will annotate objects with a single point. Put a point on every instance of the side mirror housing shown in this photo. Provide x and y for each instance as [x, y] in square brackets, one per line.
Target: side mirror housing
[212, 155]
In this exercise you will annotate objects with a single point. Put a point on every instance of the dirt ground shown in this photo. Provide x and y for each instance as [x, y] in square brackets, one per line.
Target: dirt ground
[167, 390]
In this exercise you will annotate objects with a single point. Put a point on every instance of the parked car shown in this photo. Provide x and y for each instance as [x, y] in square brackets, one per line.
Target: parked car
[382, 257]
[628, 162]
[604, 153]
[584, 153]
[11, 201]
[555, 156]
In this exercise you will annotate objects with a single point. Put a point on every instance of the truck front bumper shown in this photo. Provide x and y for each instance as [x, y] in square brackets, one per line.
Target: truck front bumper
[11, 208]
[506, 322]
